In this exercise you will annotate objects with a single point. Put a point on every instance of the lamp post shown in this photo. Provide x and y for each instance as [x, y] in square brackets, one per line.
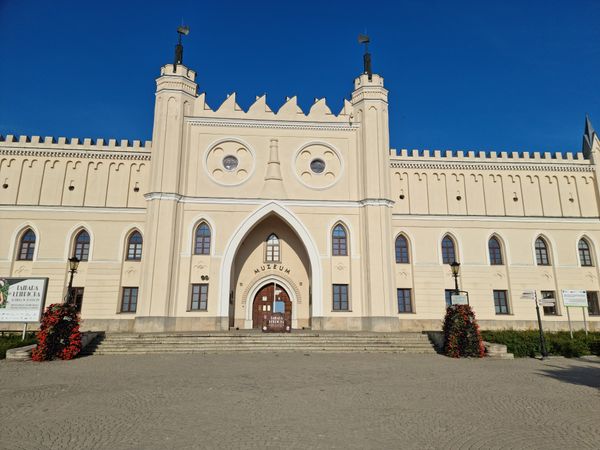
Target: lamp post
[73, 264]
[455, 267]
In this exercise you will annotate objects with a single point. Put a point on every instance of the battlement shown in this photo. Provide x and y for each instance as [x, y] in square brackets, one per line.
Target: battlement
[62, 143]
[319, 111]
[487, 156]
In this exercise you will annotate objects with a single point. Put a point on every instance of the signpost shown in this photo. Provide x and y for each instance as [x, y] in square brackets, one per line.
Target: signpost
[459, 299]
[532, 295]
[574, 298]
[22, 300]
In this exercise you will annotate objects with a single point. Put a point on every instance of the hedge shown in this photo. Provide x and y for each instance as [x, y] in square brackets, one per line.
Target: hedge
[14, 341]
[527, 343]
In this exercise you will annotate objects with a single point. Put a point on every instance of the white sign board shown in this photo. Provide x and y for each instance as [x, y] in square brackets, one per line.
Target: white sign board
[22, 299]
[459, 299]
[528, 295]
[574, 297]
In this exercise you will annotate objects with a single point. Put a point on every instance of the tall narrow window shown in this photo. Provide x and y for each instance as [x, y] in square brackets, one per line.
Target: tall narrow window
[82, 246]
[273, 250]
[402, 250]
[593, 305]
[404, 301]
[541, 252]
[585, 255]
[495, 252]
[339, 241]
[27, 246]
[340, 297]
[134, 246]
[202, 240]
[199, 297]
[448, 251]
[129, 300]
[501, 302]
[549, 310]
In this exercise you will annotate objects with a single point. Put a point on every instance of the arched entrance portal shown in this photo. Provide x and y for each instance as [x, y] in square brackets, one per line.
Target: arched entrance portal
[271, 299]
[271, 252]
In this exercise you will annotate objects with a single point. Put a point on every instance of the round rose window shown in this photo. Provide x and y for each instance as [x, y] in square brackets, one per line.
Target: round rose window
[230, 162]
[317, 165]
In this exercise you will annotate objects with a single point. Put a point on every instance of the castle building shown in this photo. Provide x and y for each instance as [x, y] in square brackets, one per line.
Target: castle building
[226, 210]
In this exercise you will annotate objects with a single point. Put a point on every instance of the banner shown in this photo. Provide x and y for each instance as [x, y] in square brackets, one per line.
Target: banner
[22, 299]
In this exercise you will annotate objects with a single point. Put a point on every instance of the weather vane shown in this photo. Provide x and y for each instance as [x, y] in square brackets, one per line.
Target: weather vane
[181, 30]
[364, 39]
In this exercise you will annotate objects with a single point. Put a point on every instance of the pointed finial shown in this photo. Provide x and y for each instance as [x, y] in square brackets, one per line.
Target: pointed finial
[181, 30]
[364, 39]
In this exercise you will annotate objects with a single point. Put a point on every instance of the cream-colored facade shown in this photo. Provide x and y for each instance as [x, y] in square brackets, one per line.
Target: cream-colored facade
[243, 176]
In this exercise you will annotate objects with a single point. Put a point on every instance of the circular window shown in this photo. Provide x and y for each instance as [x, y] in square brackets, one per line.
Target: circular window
[230, 162]
[317, 165]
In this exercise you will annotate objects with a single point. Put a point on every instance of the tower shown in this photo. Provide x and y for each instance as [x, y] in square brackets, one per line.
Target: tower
[370, 101]
[175, 92]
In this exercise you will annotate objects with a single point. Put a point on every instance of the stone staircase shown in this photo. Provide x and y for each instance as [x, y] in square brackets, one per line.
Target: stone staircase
[251, 341]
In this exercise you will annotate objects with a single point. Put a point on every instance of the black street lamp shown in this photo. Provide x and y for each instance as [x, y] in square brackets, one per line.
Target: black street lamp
[73, 264]
[455, 267]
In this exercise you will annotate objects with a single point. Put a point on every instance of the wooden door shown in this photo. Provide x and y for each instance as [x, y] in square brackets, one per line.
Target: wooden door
[262, 307]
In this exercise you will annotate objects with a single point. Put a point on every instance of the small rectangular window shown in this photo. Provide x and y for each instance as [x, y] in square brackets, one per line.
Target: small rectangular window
[404, 300]
[593, 306]
[501, 302]
[550, 310]
[448, 293]
[78, 297]
[340, 297]
[199, 297]
[129, 300]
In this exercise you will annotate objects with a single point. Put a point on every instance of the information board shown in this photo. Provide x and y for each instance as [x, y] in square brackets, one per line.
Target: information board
[459, 299]
[574, 297]
[22, 299]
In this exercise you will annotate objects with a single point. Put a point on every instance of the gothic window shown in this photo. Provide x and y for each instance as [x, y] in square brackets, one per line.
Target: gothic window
[541, 252]
[495, 252]
[81, 249]
[202, 240]
[27, 246]
[402, 250]
[134, 246]
[448, 250]
[585, 254]
[273, 250]
[339, 241]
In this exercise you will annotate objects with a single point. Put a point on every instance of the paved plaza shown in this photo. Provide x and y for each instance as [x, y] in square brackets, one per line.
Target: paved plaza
[295, 400]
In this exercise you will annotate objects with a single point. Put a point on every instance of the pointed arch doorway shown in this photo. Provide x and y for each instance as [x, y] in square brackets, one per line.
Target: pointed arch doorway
[271, 302]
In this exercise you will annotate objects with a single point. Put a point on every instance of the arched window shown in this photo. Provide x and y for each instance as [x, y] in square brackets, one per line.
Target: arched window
[81, 249]
[541, 252]
[585, 254]
[495, 252]
[339, 241]
[448, 251]
[273, 252]
[402, 250]
[202, 240]
[27, 246]
[134, 246]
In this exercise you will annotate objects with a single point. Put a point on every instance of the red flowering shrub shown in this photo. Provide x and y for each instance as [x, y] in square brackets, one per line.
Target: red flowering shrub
[461, 333]
[59, 335]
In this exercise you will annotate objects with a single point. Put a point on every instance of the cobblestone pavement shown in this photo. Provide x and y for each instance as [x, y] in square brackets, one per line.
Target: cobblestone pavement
[299, 401]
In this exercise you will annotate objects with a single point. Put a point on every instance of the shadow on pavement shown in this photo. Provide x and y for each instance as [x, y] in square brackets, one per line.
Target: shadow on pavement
[582, 375]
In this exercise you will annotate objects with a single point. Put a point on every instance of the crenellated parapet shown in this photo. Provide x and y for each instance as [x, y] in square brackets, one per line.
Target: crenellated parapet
[75, 147]
[289, 111]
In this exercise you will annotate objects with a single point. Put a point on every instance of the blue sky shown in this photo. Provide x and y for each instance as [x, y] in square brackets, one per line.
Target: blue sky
[480, 75]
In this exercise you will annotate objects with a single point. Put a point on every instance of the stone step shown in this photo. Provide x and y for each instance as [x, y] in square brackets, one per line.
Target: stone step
[266, 350]
[145, 343]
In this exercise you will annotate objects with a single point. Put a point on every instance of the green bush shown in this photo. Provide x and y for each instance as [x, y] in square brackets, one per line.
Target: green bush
[527, 343]
[13, 341]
